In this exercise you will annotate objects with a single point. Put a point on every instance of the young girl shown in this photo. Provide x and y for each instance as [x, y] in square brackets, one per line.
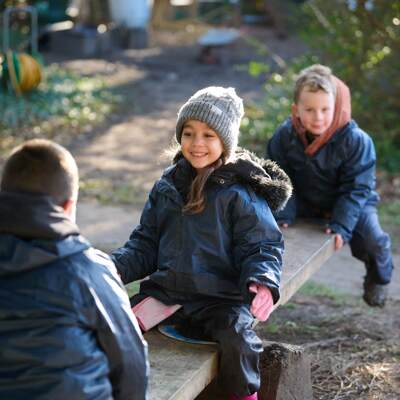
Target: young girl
[207, 238]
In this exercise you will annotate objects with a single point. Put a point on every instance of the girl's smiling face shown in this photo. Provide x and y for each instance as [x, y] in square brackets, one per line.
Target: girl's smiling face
[315, 110]
[200, 144]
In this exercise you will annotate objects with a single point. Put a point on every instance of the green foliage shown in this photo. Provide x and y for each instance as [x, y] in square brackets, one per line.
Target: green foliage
[311, 288]
[290, 306]
[132, 288]
[389, 213]
[261, 120]
[389, 207]
[64, 102]
[272, 327]
[289, 327]
[362, 46]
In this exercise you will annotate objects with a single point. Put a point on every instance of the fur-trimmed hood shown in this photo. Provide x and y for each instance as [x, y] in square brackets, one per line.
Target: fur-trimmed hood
[265, 177]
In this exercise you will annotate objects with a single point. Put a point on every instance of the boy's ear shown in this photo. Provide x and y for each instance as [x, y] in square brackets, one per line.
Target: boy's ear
[295, 110]
[68, 206]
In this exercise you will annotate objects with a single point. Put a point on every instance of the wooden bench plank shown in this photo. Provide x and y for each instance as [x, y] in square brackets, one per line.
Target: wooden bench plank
[306, 250]
[180, 371]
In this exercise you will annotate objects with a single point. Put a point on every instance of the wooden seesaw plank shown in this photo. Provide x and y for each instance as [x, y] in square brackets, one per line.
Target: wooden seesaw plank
[180, 371]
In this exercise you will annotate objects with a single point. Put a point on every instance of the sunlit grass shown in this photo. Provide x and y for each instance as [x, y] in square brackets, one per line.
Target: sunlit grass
[65, 103]
[109, 191]
[311, 288]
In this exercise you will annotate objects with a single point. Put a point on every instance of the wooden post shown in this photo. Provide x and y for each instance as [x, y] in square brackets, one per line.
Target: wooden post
[193, 10]
[161, 12]
[285, 373]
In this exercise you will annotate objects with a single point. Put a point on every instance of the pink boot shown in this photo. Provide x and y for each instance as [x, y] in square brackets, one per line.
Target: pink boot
[250, 397]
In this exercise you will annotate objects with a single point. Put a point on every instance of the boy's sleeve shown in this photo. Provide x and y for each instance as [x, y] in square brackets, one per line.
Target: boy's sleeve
[275, 149]
[357, 180]
[276, 152]
[288, 214]
[258, 246]
[117, 330]
[138, 257]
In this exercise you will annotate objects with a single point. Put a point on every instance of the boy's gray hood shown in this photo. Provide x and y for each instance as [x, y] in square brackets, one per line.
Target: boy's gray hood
[33, 232]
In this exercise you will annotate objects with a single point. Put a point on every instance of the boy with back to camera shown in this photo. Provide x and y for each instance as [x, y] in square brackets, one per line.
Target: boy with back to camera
[66, 326]
[331, 163]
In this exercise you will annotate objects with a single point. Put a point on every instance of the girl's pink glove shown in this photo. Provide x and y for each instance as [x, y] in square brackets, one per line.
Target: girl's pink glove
[262, 304]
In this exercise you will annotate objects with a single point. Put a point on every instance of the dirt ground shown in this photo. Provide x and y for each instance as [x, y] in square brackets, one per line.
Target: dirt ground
[355, 350]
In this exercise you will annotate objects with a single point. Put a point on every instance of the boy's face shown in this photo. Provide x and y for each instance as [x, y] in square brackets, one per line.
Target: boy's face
[315, 110]
[201, 145]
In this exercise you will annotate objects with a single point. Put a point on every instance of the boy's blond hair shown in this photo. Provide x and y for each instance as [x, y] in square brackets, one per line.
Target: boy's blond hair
[314, 78]
[41, 166]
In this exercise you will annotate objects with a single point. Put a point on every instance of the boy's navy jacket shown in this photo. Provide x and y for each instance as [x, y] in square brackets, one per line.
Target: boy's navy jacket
[215, 253]
[66, 327]
[339, 179]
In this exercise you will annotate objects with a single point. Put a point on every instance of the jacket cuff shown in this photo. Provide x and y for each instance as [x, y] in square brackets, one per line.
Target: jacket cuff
[341, 230]
[270, 285]
[288, 221]
[288, 214]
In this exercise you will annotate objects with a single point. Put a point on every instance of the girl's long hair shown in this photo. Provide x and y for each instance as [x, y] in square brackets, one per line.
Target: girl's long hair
[196, 201]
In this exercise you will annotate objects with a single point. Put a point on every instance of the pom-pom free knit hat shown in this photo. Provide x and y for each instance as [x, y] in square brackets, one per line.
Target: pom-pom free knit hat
[220, 108]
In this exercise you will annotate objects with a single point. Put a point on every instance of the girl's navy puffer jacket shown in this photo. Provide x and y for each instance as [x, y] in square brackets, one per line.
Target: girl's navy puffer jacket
[218, 252]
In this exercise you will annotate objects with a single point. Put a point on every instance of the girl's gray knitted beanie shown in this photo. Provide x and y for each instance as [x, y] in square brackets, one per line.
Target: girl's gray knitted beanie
[220, 108]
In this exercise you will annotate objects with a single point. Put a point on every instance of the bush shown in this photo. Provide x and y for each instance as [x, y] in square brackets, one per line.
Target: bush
[261, 120]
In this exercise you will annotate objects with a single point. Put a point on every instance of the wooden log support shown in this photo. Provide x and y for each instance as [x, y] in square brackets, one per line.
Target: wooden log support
[285, 373]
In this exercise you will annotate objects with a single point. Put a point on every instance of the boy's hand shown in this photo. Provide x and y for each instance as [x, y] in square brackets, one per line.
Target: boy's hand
[284, 225]
[262, 304]
[338, 239]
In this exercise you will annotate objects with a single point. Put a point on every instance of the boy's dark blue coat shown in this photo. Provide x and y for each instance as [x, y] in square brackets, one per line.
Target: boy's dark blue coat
[215, 253]
[339, 180]
[65, 325]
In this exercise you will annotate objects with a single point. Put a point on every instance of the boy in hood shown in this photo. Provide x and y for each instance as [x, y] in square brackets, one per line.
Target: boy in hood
[66, 327]
[331, 163]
